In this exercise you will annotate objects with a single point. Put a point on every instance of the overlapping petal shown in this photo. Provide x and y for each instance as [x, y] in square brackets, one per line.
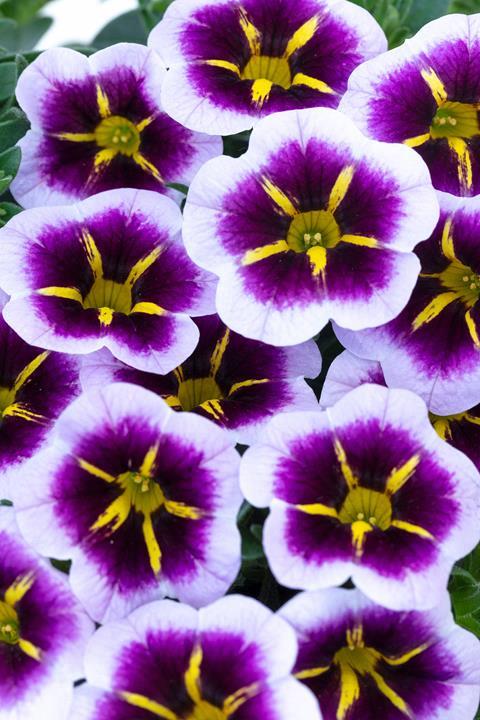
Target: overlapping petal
[426, 94]
[433, 346]
[365, 490]
[111, 272]
[167, 660]
[362, 661]
[43, 632]
[142, 499]
[236, 382]
[231, 63]
[98, 124]
[314, 222]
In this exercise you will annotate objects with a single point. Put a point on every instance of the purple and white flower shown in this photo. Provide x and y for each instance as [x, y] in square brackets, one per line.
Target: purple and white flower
[43, 632]
[35, 386]
[313, 222]
[433, 346]
[236, 382]
[232, 659]
[110, 271]
[97, 124]
[233, 62]
[363, 661]
[426, 95]
[365, 490]
[143, 500]
[461, 430]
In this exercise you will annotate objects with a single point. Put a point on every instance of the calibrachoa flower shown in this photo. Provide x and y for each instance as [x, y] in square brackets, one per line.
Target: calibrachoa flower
[142, 499]
[313, 222]
[232, 659]
[426, 94]
[236, 382]
[97, 124]
[363, 661]
[462, 430]
[35, 386]
[111, 272]
[365, 490]
[43, 632]
[231, 63]
[433, 346]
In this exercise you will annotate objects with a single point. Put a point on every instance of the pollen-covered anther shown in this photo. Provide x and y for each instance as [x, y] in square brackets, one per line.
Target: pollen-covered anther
[119, 134]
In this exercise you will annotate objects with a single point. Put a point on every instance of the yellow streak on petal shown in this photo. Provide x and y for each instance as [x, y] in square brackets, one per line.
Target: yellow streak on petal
[318, 509]
[225, 65]
[443, 428]
[360, 529]
[103, 102]
[192, 675]
[401, 475]
[465, 173]
[28, 371]
[472, 419]
[266, 251]
[253, 35]
[349, 690]
[147, 467]
[143, 265]
[447, 241]
[181, 510]
[172, 401]
[302, 36]
[145, 123]
[144, 703]
[418, 140]
[436, 86]
[93, 254]
[147, 166]
[347, 471]
[245, 384]
[67, 293]
[105, 316]
[412, 528]
[433, 309]
[20, 410]
[281, 200]
[311, 673]
[153, 548]
[402, 659]
[390, 694]
[148, 308]
[19, 588]
[103, 157]
[318, 259]
[361, 240]
[214, 408]
[115, 514]
[30, 649]
[235, 701]
[219, 352]
[472, 328]
[340, 188]
[260, 91]
[314, 83]
[95, 471]
[76, 137]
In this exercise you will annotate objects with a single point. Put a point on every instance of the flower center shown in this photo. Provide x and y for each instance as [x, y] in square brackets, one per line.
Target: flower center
[463, 281]
[366, 506]
[109, 295]
[7, 398]
[205, 711]
[9, 624]
[314, 228]
[119, 134]
[264, 67]
[145, 494]
[196, 391]
[455, 119]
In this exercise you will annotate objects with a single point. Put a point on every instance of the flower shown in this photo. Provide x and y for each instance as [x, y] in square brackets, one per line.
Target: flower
[97, 124]
[43, 632]
[365, 490]
[142, 500]
[433, 346]
[109, 272]
[231, 63]
[236, 382]
[363, 661]
[313, 222]
[425, 94]
[232, 659]
[461, 430]
[35, 386]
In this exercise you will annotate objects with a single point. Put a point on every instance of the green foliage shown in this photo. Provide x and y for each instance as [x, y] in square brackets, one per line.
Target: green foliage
[129, 27]
[423, 11]
[465, 592]
[392, 15]
[465, 6]
[20, 27]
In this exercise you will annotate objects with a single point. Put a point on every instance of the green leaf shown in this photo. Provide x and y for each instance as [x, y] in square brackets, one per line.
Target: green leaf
[13, 126]
[128, 27]
[465, 592]
[179, 187]
[7, 211]
[22, 10]
[465, 6]
[424, 11]
[392, 15]
[8, 79]
[10, 161]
